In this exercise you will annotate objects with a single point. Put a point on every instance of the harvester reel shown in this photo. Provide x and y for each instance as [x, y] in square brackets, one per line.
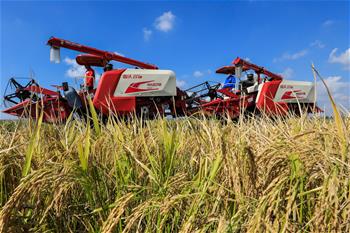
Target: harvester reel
[15, 92]
[201, 91]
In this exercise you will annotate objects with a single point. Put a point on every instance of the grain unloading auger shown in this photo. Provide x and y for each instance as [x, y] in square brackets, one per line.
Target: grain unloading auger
[149, 91]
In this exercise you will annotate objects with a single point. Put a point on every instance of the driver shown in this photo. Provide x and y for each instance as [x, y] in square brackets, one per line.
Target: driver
[108, 67]
[89, 78]
[230, 82]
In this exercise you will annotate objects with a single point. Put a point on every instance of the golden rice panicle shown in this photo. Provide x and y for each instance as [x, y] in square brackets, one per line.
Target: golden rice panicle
[183, 175]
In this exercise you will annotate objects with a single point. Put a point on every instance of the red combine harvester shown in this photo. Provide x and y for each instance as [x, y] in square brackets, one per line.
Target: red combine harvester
[144, 90]
[260, 92]
[149, 91]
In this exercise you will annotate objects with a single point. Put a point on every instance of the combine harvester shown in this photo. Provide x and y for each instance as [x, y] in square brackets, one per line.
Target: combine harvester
[260, 91]
[150, 92]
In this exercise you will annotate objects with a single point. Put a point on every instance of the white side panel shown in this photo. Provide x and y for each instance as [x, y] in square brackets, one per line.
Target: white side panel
[253, 88]
[259, 91]
[140, 82]
[295, 91]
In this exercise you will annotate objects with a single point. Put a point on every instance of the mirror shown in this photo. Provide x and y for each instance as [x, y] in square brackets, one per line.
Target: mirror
[55, 55]
[238, 71]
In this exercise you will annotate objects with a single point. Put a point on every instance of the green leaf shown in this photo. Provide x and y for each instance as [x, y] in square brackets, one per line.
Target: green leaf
[94, 117]
[32, 145]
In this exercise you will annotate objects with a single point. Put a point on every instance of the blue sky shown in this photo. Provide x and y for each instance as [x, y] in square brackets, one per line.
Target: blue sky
[191, 38]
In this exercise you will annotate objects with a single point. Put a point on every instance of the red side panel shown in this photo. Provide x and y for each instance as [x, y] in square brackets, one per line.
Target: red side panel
[104, 99]
[227, 92]
[42, 90]
[54, 110]
[265, 102]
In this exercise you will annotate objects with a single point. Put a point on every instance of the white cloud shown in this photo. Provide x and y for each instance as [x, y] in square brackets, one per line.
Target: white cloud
[287, 73]
[317, 44]
[247, 59]
[147, 33]
[120, 54]
[70, 61]
[198, 74]
[165, 22]
[75, 70]
[328, 23]
[340, 91]
[181, 83]
[293, 56]
[343, 58]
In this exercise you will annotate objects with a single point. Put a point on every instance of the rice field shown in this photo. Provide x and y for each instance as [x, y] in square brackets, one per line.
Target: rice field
[186, 175]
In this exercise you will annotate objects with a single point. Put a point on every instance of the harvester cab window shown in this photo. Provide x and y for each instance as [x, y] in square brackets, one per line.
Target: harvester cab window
[247, 82]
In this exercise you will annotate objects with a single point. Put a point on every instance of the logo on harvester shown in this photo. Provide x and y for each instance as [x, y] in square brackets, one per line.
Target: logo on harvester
[143, 86]
[130, 76]
[293, 94]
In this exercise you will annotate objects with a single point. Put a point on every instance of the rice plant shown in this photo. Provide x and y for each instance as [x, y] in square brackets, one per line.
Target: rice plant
[184, 175]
